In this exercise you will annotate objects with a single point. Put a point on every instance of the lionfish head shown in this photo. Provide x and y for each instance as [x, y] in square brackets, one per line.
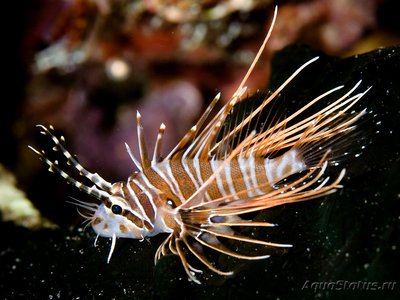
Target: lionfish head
[116, 217]
[113, 216]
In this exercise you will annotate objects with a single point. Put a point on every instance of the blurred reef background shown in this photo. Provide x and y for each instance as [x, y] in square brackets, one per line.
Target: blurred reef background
[87, 66]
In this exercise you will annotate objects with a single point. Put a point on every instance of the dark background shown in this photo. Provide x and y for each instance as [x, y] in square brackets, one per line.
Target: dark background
[352, 235]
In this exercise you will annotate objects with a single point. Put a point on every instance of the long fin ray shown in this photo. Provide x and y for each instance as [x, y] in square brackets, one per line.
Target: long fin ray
[93, 190]
[93, 177]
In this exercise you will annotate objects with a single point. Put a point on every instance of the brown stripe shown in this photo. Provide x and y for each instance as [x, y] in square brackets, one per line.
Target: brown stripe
[185, 184]
[206, 172]
[261, 176]
[131, 217]
[237, 178]
[157, 181]
[123, 192]
[148, 226]
[142, 198]
[108, 203]
[262, 179]
[192, 169]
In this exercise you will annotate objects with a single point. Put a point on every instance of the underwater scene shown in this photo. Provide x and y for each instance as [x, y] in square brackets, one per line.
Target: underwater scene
[288, 187]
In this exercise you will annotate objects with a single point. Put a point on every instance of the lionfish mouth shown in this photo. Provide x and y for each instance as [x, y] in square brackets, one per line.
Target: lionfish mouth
[91, 219]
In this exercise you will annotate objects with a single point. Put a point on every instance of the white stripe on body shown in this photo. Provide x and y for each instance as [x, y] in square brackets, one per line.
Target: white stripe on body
[136, 199]
[187, 170]
[171, 183]
[253, 177]
[196, 166]
[228, 177]
[214, 166]
[151, 187]
[275, 168]
[246, 178]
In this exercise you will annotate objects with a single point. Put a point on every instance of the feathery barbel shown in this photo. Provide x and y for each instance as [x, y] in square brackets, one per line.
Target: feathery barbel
[226, 166]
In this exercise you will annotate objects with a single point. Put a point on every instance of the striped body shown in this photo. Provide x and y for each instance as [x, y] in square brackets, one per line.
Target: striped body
[220, 171]
[155, 192]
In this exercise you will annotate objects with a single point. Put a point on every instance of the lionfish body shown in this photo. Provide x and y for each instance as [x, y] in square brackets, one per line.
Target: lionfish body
[219, 172]
[155, 192]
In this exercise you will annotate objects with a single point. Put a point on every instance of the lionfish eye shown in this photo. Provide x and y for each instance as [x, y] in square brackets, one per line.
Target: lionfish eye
[171, 203]
[116, 209]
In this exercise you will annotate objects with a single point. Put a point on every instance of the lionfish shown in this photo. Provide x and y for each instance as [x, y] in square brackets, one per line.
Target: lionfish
[218, 173]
